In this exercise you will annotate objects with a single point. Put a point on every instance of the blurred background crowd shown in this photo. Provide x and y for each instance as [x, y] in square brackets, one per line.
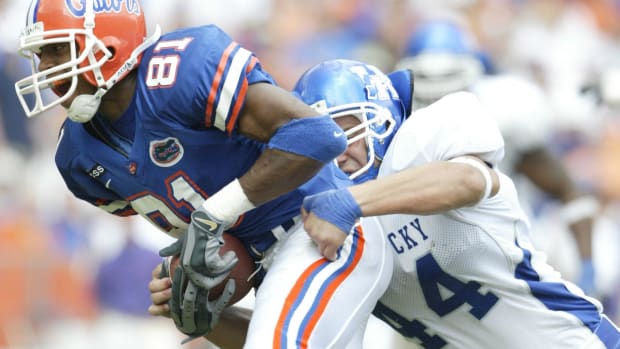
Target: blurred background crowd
[73, 277]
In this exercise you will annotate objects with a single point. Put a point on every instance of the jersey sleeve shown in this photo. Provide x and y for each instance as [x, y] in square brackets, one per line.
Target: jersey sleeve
[75, 179]
[73, 170]
[237, 68]
[454, 126]
[213, 73]
[116, 207]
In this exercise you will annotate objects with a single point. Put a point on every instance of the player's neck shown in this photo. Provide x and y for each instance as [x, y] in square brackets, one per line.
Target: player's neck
[117, 100]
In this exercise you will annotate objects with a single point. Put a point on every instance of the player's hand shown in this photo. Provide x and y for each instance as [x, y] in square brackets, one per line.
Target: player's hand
[328, 218]
[160, 288]
[199, 248]
[190, 308]
[327, 236]
[186, 304]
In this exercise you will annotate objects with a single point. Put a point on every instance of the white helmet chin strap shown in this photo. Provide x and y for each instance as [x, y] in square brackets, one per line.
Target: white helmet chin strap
[84, 107]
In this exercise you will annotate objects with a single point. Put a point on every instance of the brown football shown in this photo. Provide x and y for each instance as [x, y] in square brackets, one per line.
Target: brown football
[240, 273]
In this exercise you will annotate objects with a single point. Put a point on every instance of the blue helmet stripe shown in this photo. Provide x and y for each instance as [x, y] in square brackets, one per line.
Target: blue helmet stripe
[32, 12]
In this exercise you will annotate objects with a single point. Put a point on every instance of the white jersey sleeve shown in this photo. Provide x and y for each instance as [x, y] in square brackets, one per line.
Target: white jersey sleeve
[453, 126]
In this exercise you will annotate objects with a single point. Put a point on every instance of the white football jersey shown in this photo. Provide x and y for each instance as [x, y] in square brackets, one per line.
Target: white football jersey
[470, 278]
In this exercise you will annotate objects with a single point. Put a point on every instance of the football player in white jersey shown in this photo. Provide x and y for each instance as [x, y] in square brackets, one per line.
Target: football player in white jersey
[445, 59]
[466, 274]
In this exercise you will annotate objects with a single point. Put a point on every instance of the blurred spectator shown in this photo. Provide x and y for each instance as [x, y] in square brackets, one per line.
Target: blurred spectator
[39, 283]
[446, 59]
[11, 67]
[121, 280]
[559, 44]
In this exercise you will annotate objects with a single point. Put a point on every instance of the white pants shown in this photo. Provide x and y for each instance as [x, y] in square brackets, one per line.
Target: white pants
[306, 301]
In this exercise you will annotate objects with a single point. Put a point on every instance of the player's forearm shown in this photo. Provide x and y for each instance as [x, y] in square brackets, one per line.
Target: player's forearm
[549, 174]
[275, 173]
[295, 152]
[427, 189]
[579, 214]
[582, 231]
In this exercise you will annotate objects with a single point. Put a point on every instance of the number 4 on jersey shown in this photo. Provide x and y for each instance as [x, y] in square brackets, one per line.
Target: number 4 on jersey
[432, 277]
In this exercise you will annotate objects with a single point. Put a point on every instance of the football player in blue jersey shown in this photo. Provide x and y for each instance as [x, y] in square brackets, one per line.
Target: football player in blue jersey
[378, 112]
[187, 130]
[465, 273]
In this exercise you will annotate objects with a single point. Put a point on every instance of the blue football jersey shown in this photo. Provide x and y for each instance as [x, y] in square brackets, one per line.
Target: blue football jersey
[177, 143]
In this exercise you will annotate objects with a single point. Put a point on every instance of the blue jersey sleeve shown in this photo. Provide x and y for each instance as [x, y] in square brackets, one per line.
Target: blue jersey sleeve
[199, 77]
[79, 173]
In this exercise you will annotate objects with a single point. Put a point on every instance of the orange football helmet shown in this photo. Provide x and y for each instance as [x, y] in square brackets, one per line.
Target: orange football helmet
[107, 39]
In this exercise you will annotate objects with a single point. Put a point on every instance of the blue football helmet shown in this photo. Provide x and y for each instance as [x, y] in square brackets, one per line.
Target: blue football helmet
[345, 87]
[444, 59]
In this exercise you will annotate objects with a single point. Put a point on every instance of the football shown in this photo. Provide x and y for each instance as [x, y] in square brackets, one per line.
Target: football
[240, 273]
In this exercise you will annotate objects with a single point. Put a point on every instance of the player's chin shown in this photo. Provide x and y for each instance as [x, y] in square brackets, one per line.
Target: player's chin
[67, 102]
[350, 168]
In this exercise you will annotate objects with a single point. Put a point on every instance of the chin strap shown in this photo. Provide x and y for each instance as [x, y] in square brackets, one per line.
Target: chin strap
[84, 107]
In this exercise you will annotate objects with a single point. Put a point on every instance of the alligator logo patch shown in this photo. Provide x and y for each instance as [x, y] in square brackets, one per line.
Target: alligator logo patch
[166, 153]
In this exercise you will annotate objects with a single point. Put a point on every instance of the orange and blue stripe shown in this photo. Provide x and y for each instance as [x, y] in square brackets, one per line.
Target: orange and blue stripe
[31, 17]
[300, 292]
[229, 87]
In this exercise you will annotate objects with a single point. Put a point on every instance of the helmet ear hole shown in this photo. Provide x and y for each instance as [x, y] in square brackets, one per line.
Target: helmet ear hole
[113, 51]
[112, 44]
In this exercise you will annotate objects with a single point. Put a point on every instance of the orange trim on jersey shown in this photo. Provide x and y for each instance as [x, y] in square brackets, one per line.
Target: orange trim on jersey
[327, 295]
[123, 212]
[297, 290]
[238, 222]
[241, 97]
[324, 296]
[217, 79]
[182, 203]
[127, 212]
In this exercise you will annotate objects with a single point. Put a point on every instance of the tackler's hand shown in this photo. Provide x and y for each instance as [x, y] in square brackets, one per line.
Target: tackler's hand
[199, 248]
[329, 218]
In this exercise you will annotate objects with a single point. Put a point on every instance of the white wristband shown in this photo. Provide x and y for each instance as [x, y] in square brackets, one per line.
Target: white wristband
[580, 208]
[484, 170]
[228, 203]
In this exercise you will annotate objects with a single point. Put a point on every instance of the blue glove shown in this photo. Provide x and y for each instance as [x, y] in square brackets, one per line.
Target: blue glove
[586, 277]
[336, 206]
